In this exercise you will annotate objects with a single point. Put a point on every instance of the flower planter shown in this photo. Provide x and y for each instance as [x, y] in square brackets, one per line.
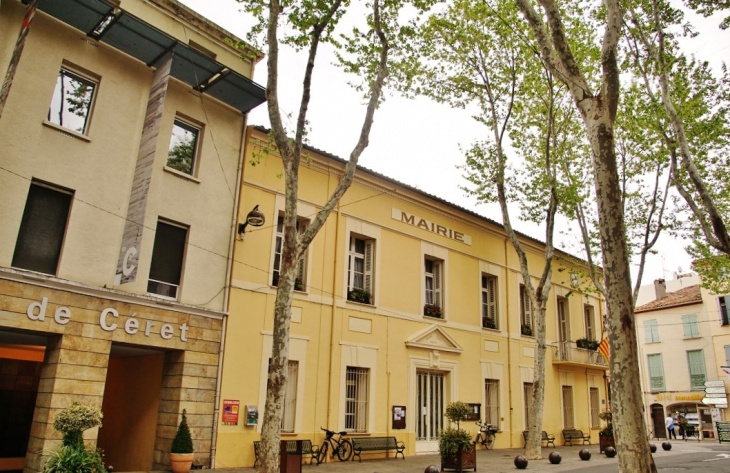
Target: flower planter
[181, 462]
[605, 441]
[465, 459]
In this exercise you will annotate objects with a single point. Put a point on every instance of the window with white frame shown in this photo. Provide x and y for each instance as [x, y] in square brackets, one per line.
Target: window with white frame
[182, 154]
[595, 408]
[434, 297]
[656, 372]
[168, 253]
[289, 404]
[491, 405]
[697, 373]
[527, 315]
[568, 414]
[42, 229]
[690, 325]
[357, 399]
[724, 302]
[563, 319]
[300, 283]
[527, 395]
[651, 331]
[360, 266]
[72, 101]
[490, 318]
[588, 315]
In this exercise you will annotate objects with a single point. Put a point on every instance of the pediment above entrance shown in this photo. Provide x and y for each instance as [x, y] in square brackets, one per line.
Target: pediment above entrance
[434, 338]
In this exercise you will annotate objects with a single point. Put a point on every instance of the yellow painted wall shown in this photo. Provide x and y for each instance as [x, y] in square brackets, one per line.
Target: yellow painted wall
[391, 337]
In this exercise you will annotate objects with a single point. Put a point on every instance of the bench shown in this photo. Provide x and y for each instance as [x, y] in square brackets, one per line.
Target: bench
[291, 446]
[361, 444]
[546, 437]
[574, 434]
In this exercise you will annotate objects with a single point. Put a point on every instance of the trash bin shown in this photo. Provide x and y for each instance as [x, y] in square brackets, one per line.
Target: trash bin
[291, 456]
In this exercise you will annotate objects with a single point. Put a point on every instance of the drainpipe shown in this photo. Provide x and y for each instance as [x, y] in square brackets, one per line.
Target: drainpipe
[332, 319]
[227, 293]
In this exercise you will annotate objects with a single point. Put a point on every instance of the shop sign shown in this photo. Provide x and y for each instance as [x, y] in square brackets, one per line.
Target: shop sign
[429, 226]
[690, 397]
[108, 321]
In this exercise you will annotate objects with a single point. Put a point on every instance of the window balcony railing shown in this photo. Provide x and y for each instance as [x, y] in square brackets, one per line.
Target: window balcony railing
[568, 352]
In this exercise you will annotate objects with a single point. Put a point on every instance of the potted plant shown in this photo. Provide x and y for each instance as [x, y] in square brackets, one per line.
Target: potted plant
[358, 295]
[526, 330]
[432, 310]
[73, 455]
[587, 344]
[456, 446]
[181, 451]
[488, 323]
[605, 436]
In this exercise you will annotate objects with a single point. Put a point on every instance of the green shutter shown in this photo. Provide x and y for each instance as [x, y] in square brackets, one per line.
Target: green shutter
[691, 329]
[656, 372]
[651, 331]
[696, 363]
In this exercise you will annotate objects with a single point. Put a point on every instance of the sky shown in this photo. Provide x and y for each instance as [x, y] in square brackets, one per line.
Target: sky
[418, 142]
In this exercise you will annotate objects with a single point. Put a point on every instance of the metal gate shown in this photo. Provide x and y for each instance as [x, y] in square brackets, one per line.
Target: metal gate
[430, 410]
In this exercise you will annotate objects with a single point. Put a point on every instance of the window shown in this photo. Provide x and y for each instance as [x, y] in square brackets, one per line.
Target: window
[724, 310]
[360, 270]
[433, 270]
[651, 331]
[289, 412]
[727, 354]
[167, 259]
[356, 402]
[300, 281]
[697, 374]
[289, 404]
[595, 406]
[563, 320]
[691, 328]
[42, 228]
[183, 150]
[527, 317]
[588, 318]
[527, 393]
[491, 406]
[72, 100]
[656, 372]
[568, 407]
[489, 302]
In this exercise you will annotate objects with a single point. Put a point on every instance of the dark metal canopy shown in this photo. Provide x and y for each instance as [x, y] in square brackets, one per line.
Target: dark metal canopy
[104, 22]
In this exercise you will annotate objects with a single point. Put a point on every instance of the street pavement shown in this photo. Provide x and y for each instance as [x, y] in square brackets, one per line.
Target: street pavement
[708, 456]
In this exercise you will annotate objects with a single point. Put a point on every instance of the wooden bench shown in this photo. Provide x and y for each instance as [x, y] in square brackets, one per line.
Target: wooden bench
[291, 446]
[546, 437]
[574, 434]
[361, 444]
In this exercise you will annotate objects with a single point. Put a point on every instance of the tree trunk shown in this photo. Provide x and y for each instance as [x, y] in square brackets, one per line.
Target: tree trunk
[533, 446]
[17, 52]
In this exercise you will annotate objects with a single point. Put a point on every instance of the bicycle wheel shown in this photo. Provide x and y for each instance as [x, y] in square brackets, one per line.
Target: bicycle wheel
[322, 453]
[489, 442]
[344, 451]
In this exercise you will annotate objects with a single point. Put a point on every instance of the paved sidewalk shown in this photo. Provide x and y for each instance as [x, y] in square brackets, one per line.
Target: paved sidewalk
[492, 461]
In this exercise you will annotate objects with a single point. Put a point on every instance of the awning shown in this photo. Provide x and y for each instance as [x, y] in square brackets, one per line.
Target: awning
[106, 23]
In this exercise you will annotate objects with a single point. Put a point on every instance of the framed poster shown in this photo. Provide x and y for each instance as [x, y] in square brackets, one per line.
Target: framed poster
[230, 411]
[399, 417]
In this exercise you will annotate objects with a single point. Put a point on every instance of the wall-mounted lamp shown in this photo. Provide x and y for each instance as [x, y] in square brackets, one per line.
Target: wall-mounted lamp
[254, 218]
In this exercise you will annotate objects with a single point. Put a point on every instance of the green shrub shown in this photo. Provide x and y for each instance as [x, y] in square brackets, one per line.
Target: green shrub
[73, 456]
[183, 441]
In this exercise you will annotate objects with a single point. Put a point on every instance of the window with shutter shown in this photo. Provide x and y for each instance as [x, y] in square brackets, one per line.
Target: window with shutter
[724, 309]
[588, 316]
[360, 270]
[526, 312]
[697, 374]
[433, 285]
[527, 395]
[651, 331]
[491, 406]
[691, 328]
[568, 415]
[656, 372]
[595, 406]
[300, 281]
[563, 319]
[489, 302]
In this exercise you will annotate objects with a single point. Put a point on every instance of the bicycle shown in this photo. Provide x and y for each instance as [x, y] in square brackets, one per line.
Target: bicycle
[486, 435]
[340, 447]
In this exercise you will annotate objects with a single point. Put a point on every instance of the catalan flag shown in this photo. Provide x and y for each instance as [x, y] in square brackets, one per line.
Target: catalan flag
[603, 348]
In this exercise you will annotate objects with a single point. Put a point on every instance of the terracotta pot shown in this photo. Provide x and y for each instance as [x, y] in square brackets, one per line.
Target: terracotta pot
[181, 462]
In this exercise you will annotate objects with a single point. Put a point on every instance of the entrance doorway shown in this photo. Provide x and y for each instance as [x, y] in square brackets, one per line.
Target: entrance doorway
[657, 419]
[131, 405]
[21, 360]
[429, 409]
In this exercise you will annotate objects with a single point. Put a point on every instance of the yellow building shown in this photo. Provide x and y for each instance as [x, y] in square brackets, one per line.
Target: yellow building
[404, 303]
[122, 140]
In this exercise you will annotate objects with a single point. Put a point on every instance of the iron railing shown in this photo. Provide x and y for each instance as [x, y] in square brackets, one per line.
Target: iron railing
[568, 351]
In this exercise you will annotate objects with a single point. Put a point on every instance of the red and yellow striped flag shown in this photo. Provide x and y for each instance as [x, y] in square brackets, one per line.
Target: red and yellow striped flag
[603, 348]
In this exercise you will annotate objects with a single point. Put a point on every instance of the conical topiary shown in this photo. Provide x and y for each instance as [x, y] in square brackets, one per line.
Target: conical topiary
[183, 442]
